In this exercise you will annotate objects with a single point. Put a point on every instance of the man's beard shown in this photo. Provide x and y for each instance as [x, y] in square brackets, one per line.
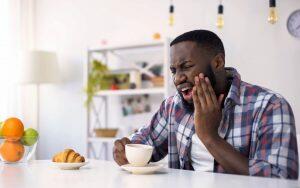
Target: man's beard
[189, 106]
[186, 105]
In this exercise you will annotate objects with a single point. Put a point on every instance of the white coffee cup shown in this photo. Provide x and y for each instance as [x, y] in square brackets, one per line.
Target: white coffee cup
[138, 154]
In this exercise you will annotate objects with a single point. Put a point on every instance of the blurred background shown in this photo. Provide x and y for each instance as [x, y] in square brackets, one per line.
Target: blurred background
[54, 53]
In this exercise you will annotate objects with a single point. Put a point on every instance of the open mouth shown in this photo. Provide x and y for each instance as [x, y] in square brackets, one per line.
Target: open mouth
[187, 93]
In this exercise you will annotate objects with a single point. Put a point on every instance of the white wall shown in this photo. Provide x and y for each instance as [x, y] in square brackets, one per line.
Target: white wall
[264, 54]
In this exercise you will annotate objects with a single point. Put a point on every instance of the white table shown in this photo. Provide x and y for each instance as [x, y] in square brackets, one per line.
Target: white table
[102, 174]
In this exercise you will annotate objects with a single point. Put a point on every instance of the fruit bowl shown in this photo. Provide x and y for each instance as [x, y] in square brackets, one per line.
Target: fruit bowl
[16, 143]
[17, 150]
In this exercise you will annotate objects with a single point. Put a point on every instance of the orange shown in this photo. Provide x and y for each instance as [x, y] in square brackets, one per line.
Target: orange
[13, 129]
[156, 36]
[12, 151]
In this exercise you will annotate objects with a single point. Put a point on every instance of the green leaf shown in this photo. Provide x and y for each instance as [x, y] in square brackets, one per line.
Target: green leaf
[96, 80]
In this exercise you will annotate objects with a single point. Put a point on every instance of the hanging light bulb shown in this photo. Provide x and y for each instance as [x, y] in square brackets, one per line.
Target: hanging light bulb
[171, 16]
[220, 19]
[273, 17]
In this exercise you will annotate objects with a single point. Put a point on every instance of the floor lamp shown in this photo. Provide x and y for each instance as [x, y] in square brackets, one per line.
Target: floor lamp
[39, 67]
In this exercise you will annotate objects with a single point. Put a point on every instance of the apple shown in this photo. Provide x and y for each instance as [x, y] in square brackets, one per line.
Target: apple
[1, 124]
[30, 137]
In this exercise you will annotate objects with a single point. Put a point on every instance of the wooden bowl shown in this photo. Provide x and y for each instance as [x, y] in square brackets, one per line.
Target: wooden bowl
[158, 81]
[105, 132]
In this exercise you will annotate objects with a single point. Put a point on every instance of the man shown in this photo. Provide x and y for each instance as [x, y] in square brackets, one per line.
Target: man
[216, 122]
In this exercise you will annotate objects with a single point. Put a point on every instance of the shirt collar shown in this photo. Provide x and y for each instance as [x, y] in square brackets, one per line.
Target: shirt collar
[234, 91]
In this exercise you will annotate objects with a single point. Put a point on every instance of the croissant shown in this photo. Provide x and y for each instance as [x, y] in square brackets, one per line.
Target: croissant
[68, 156]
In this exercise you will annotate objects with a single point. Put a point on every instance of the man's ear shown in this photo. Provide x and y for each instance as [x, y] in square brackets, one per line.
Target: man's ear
[218, 63]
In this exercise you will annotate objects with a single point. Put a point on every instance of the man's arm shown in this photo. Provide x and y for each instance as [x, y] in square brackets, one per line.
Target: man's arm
[276, 153]
[154, 134]
[207, 117]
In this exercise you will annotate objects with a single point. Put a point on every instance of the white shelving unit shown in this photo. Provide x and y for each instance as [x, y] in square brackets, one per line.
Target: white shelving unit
[97, 114]
[131, 92]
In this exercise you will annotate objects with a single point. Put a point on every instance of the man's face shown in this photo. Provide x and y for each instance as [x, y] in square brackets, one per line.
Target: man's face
[187, 61]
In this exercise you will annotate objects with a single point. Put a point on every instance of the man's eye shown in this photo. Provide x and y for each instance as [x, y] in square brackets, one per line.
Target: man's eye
[173, 71]
[187, 66]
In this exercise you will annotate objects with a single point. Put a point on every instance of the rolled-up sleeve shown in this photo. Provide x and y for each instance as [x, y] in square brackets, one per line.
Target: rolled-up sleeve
[276, 153]
[155, 134]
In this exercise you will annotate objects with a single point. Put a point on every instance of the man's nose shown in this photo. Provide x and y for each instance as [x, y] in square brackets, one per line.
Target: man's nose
[179, 78]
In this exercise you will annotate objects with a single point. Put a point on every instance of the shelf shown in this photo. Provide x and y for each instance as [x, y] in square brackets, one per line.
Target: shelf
[131, 92]
[102, 139]
[127, 47]
[123, 59]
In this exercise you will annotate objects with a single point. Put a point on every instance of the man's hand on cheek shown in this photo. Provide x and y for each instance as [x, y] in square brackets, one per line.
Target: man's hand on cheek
[208, 112]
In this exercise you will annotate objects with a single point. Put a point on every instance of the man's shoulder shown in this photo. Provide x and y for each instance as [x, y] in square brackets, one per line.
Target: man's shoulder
[258, 95]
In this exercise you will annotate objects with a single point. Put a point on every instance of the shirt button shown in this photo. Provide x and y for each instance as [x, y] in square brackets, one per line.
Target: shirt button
[188, 138]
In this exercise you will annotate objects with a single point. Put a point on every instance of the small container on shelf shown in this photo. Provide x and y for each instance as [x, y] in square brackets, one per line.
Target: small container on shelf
[135, 78]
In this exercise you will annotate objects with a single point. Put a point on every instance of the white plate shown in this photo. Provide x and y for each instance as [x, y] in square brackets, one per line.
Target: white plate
[150, 168]
[69, 166]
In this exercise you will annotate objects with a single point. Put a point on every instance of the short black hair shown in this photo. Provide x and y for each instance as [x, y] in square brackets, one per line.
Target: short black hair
[204, 38]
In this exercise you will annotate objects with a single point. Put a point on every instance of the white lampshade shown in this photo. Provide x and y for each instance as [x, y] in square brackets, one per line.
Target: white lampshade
[39, 67]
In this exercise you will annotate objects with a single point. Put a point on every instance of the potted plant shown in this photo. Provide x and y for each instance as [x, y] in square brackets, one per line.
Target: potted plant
[96, 79]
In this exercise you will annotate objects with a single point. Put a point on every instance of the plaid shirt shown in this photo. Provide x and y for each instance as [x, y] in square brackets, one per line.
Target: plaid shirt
[255, 121]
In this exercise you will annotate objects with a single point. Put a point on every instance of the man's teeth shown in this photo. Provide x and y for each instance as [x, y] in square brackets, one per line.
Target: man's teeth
[185, 89]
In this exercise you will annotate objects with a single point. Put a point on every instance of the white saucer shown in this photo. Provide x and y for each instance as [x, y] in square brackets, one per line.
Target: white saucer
[69, 166]
[150, 168]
